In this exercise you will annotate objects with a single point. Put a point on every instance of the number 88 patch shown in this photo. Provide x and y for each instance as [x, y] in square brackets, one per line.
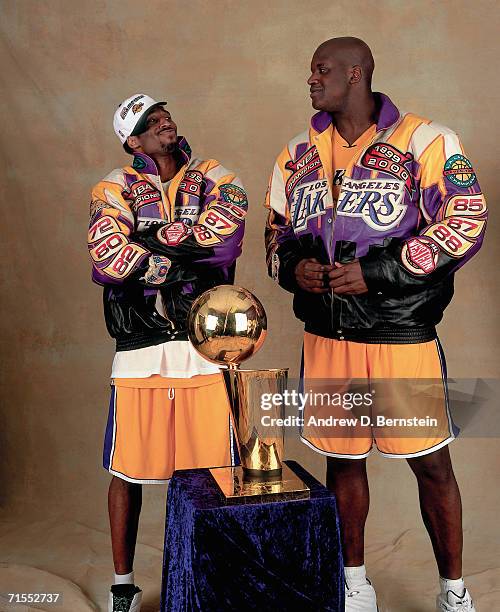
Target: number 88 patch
[448, 239]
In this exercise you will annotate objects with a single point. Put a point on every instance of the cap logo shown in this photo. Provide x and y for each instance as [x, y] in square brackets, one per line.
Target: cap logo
[125, 109]
[137, 107]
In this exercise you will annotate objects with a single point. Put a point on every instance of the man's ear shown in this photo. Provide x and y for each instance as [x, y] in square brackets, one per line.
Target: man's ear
[133, 143]
[356, 74]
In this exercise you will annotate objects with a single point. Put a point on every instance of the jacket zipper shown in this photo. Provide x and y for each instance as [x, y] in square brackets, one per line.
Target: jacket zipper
[340, 326]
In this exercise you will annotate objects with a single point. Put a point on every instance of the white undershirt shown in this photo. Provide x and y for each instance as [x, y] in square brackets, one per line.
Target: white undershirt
[175, 359]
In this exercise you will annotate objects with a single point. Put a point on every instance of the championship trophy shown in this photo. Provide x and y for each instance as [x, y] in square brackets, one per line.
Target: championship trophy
[227, 325]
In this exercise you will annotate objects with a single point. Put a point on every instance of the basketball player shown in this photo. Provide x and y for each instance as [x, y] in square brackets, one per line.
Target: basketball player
[371, 211]
[168, 408]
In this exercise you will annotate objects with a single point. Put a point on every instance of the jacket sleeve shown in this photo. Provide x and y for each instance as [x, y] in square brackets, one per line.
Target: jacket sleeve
[116, 257]
[283, 249]
[216, 239]
[453, 217]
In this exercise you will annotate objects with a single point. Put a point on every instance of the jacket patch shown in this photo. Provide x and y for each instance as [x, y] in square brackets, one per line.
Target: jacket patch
[232, 194]
[125, 260]
[386, 158]
[157, 270]
[108, 247]
[218, 222]
[466, 205]
[308, 202]
[205, 237]
[304, 165]
[102, 227]
[141, 193]
[452, 243]
[458, 170]
[191, 183]
[420, 255]
[173, 233]
[379, 202]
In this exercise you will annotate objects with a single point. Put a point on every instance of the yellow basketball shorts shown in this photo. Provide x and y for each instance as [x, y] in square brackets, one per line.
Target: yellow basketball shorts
[401, 393]
[157, 425]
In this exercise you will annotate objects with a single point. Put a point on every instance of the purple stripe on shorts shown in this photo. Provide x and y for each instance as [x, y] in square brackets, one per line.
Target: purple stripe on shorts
[455, 430]
[108, 436]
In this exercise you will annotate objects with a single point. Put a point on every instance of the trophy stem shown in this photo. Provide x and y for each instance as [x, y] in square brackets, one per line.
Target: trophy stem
[261, 447]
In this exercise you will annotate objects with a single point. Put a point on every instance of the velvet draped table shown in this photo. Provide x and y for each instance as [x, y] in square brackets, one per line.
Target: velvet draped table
[278, 556]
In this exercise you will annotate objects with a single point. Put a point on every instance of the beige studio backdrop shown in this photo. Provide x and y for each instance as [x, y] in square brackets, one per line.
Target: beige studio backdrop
[234, 74]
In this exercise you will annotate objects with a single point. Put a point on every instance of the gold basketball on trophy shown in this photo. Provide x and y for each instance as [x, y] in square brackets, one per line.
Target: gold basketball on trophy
[227, 324]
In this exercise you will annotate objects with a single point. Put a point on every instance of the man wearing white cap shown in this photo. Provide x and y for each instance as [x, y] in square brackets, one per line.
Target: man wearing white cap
[162, 230]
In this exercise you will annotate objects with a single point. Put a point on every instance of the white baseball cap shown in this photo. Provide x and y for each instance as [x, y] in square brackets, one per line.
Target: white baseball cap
[128, 115]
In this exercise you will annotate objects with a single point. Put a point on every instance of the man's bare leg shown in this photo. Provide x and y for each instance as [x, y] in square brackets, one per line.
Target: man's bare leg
[441, 509]
[348, 480]
[124, 505]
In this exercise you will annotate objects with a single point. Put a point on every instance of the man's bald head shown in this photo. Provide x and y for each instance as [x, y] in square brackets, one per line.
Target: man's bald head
[350, 51]
[341, 71]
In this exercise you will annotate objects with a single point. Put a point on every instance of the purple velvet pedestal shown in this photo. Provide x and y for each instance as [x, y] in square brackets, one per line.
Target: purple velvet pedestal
[277, 556]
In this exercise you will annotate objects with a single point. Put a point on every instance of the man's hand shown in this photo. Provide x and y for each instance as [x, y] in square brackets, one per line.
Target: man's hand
[310, 275]
[347, 279]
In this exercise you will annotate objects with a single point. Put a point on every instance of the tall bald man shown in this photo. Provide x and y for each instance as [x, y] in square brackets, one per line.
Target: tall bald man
[371, 212]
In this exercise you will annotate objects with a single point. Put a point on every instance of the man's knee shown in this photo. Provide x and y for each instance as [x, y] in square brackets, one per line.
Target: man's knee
[435, 467]
[348, 468]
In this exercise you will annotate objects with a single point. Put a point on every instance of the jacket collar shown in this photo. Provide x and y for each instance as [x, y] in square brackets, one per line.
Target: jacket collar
[147, 165]
[387, 114]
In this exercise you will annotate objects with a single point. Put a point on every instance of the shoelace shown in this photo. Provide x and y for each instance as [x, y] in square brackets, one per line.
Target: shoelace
[463, 605]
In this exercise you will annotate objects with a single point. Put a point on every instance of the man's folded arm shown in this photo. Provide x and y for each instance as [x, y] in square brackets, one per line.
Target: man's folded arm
[117, 257]
[216, 239]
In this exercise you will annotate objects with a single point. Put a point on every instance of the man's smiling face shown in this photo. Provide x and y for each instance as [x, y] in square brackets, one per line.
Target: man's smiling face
[160, 135]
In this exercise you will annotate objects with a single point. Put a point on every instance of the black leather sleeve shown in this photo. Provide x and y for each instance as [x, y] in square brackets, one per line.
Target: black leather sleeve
[384, 273]
[289, 254]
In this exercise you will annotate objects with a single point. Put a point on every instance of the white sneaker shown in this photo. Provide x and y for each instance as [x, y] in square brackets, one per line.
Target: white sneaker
[361, 598]
[125, 598]
[451, 602]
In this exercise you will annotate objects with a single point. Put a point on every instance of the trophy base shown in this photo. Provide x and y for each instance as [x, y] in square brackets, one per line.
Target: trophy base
[237, 488]
[262, 475]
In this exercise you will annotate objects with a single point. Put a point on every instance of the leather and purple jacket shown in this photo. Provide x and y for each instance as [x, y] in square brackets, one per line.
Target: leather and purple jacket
[155, 251]
[410, 208]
